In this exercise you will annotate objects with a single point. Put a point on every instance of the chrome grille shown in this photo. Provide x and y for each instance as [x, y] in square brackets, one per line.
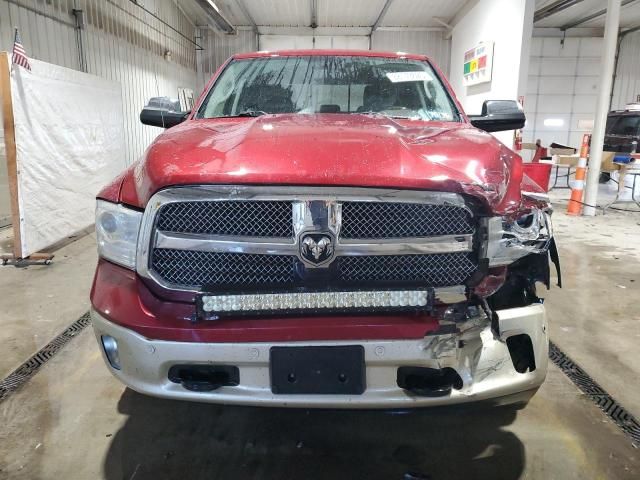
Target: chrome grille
[196, 269]
[437, 270]
[247, 218]
[401, 220]
[250, 238]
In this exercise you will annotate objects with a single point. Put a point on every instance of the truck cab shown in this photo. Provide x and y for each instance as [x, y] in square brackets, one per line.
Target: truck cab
[623, 129]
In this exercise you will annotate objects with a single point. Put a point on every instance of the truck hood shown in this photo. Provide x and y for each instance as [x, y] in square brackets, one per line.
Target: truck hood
[330, 149]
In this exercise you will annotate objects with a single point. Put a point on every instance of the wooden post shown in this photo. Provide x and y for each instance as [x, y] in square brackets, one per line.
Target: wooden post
[10, 150]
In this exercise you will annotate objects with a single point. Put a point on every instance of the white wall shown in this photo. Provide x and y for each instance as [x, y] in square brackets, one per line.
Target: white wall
[508, 23]
[430, 43]
[121, 42]
[287, 42]
[627, 81]
[347, 42]
[218, 47]
[562, 87]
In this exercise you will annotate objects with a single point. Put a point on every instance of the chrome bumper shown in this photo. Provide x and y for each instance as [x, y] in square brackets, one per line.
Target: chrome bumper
[480, 358]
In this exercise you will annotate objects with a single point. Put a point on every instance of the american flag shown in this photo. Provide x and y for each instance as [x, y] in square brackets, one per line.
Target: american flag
[19, 55]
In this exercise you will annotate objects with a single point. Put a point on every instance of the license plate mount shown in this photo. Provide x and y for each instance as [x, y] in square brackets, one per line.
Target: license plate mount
[318, 370]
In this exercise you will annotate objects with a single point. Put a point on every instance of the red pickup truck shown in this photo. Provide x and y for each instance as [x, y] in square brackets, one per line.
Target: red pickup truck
[325, 229]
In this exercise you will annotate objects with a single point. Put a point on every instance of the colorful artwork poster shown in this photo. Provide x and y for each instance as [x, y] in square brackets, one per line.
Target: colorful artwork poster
[478, 63]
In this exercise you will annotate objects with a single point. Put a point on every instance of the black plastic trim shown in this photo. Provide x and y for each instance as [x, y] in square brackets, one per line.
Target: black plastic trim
[318, 370]
[204, 378]
[428, 382]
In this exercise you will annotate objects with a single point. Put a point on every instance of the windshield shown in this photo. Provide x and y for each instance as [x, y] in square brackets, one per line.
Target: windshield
[623, 125]
[329, 84]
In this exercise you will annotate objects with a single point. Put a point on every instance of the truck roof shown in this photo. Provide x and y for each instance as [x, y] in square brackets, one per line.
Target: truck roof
[343, 53]
[623, 113]
[629, 109]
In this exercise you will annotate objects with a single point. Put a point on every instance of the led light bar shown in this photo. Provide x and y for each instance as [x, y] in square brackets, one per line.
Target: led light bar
[280, 302]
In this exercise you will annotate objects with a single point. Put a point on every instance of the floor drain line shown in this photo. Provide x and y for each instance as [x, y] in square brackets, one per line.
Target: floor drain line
[616, 412]
[25, 371]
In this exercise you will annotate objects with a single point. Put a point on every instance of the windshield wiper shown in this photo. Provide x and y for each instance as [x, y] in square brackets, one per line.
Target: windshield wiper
[385, 115]
[250, 113]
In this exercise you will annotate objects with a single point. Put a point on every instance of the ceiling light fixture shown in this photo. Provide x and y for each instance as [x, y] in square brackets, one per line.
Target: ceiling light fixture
[216, 16]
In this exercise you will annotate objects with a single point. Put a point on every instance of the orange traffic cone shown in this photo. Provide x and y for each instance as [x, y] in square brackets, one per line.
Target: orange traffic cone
[517, 140]
[575, 203]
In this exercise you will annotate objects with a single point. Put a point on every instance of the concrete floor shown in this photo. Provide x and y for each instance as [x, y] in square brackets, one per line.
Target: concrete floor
[595, 317]
[37, 302]
[73, 420]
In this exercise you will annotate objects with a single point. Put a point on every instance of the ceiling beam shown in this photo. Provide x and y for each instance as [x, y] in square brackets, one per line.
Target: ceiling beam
[556, 7]
[179, 7]
[448, 32]
[462, 11]
[630, 30]
[314, 13]
[307, 30]
[592, 16]
[442, 22]
[383, 12]
[460, 14]
[245, 12]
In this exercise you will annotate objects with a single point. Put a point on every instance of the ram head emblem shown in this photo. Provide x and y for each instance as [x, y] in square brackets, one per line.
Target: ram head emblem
[316, 249]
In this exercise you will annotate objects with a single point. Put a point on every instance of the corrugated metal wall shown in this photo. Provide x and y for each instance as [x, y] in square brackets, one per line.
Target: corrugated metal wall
[218, 47]
[121, 42]
[627, 82]
[431, 43]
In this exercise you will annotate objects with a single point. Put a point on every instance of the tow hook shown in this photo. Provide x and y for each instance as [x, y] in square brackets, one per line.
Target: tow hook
[204, 378]
[429, 382]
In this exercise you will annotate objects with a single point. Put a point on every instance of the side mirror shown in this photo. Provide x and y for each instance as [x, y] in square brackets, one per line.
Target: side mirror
[498, 116]
[162, 112]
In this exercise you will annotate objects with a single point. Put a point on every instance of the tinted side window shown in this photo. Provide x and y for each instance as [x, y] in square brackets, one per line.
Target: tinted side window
[623, 125]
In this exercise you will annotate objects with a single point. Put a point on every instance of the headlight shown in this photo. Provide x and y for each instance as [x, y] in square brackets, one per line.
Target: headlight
[117, 231]
[509, 240]
[530, 227]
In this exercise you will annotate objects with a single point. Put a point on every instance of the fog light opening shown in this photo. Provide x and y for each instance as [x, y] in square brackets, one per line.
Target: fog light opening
[110, 346]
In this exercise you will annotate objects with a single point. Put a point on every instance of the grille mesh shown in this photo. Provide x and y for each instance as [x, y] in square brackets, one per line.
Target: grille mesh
[192, 268]
[247, 218]
[361, 220]
[437, 270]
[401, 220]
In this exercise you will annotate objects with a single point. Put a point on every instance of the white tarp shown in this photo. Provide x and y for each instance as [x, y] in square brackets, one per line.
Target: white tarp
[70, 143]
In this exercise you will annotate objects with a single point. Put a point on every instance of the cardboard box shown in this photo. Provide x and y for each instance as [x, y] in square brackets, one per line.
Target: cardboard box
[607, 162]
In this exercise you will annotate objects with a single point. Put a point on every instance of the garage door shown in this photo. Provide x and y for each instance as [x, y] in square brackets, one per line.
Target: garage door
[287, 42]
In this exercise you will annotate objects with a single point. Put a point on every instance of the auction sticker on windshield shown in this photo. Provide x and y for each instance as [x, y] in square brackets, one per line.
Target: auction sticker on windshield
[397, 77]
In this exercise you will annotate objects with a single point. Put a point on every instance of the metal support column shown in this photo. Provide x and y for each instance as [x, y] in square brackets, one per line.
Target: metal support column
[612, 25]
